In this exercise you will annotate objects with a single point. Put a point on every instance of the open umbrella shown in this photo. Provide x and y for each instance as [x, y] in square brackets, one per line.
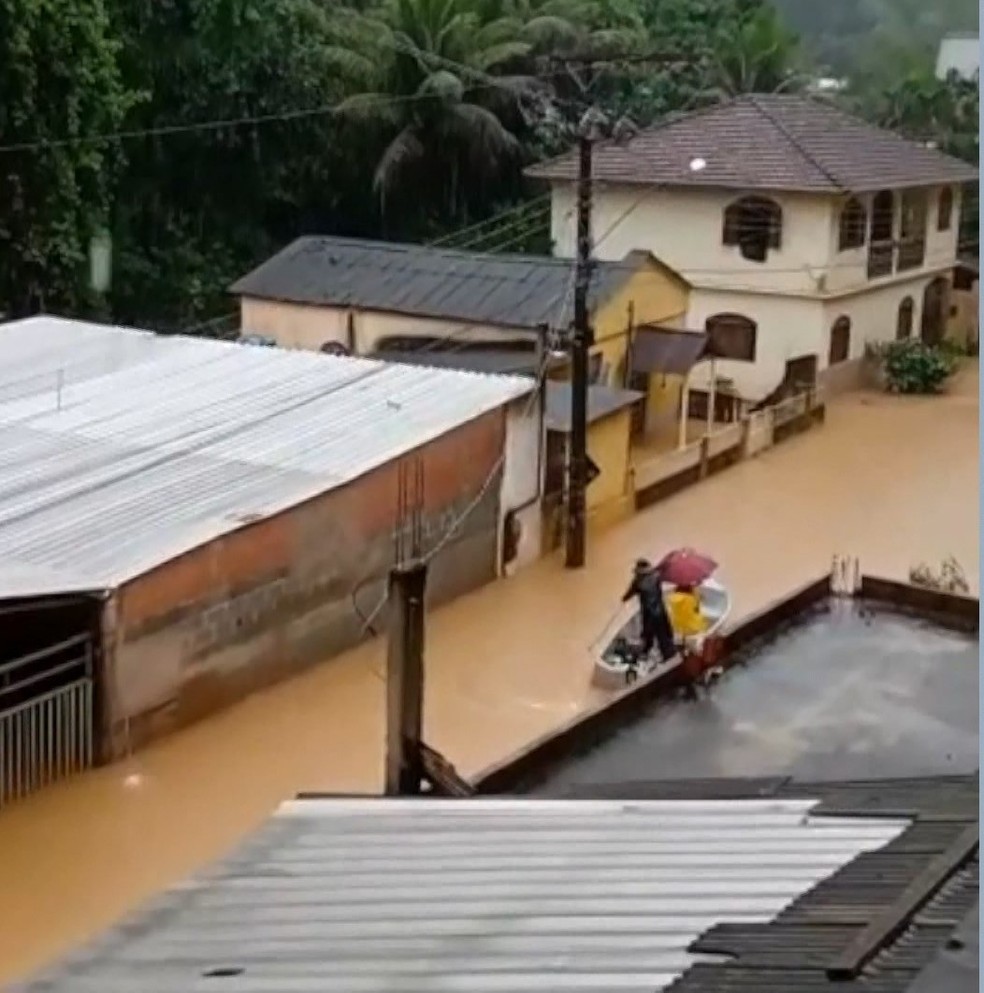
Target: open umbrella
[685, 567]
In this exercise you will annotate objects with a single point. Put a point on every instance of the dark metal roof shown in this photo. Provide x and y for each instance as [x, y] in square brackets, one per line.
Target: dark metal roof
[487, 360]
[956, 966]
[602, 401]
[667, 350]
[515, 291]
[769, 142]
[935, 950]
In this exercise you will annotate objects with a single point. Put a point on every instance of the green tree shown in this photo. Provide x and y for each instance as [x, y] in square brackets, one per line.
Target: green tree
[945, 112]
[759, 54]
[196, 209]
[447, 133]
[60, 81]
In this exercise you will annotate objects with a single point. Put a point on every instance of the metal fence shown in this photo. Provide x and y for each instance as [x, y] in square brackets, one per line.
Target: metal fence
[46, 717]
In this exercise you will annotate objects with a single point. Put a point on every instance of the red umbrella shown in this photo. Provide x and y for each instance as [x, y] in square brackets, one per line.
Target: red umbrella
[685, 567]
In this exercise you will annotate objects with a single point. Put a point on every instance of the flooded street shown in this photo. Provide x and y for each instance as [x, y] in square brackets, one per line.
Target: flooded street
[893, 481]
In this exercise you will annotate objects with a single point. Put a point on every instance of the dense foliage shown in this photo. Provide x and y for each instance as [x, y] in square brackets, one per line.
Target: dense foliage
[911, 366]
[395, 118]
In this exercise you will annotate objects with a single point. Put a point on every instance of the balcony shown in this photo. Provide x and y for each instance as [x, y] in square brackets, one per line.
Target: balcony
[912, 253]
[881, 256]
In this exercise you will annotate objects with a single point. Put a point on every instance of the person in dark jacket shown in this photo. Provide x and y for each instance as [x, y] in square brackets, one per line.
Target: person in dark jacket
[647, 587]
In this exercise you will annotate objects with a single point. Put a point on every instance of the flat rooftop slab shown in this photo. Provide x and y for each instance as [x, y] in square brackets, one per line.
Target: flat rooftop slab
[844, 693]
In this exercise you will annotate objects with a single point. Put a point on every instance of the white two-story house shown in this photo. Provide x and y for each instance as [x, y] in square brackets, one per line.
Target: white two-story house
[805, 233]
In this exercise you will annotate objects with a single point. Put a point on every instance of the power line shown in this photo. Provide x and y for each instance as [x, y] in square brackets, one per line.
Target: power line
[219, 124]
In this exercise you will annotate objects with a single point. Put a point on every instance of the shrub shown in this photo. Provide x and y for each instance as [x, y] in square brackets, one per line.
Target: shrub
[911, 366]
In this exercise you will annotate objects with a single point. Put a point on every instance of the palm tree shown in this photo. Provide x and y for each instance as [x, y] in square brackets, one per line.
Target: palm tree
[442, 99]
[759, 57]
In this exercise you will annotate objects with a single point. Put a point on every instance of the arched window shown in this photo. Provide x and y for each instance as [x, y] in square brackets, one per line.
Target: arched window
[944, 209]
[903, 326]
[754, 224]
[853, 221]
[883, 216]
[732, 336]
[840, 341]
[935, 308]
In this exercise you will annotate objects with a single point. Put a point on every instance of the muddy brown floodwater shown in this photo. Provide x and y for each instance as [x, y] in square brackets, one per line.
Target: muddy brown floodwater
[891, 480]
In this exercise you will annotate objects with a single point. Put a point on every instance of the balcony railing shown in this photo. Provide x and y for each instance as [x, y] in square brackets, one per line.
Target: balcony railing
[912, 253]
[880, 258]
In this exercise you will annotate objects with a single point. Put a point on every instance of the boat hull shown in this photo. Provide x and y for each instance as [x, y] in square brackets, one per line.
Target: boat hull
[611, 673]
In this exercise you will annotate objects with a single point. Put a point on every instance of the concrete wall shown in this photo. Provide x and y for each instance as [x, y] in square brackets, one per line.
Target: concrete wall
[788, 327]
[522, 480]
[608, 448]
[295, 325]
[683, 228]
[271, 598]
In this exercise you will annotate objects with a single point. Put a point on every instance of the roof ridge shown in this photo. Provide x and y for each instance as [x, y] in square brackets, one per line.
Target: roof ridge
[753, 99]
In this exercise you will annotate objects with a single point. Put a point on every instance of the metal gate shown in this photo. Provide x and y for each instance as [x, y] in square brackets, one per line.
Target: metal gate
[46, 717]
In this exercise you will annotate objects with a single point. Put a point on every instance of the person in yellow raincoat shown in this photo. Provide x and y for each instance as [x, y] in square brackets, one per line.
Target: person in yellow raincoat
[689, 624]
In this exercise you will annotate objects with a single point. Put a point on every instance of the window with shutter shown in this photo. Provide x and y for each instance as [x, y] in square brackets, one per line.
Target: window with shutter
[754, 224]
[733, 336]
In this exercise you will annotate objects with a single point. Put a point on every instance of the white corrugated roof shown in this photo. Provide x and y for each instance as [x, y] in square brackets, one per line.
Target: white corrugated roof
[473, 896]
[122, 449]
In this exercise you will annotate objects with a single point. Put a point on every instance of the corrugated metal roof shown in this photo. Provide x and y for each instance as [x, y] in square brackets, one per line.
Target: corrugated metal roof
[483, 895]
[122, 449]
[667, 350]
[511, 291]
[602, 401]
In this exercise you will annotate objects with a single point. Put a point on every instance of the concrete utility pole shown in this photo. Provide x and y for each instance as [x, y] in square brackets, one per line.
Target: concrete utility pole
[581, 340]
[405, 679]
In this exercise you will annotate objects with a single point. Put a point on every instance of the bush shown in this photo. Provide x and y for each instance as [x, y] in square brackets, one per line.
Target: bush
[911, 366]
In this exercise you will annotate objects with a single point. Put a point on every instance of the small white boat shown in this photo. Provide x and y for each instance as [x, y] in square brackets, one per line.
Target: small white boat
[613, 671]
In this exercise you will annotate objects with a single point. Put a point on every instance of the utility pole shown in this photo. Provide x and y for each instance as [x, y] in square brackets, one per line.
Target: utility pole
[580, 344]
[405, 679]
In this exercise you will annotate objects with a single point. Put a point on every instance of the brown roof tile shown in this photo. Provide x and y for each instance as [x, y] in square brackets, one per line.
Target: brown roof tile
[768, 142]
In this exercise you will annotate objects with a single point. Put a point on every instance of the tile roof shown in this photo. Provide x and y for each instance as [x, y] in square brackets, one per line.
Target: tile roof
[122, 449]
[509, 291]
[769, 142]
[486, 895]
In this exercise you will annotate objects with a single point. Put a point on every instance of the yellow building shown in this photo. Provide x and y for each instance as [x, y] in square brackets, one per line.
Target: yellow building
[391, 300]
[610, 495]
[489, 313]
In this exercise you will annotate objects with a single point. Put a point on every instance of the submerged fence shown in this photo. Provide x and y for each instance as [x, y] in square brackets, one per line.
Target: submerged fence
[664, 474]
[46, 717]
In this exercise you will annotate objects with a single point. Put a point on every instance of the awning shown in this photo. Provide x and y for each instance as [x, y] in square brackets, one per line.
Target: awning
[602, 401]
[656, 349]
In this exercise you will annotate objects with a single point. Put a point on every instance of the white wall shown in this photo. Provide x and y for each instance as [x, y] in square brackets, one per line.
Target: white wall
[522, 475]
[304, 326]
[788, 327]
[849, 269]
[873, 314]
[684, 227]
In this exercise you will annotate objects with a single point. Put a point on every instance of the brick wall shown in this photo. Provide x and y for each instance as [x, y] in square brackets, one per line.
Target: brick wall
[261, 603]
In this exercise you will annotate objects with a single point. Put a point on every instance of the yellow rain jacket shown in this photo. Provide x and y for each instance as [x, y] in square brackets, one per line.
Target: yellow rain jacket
[685, 615]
